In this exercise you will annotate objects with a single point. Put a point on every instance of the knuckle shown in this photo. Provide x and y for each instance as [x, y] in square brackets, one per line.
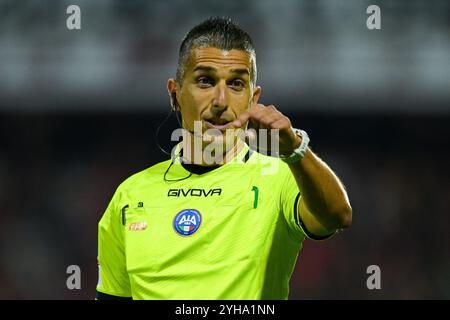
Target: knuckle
[288, 121]
[267, 119]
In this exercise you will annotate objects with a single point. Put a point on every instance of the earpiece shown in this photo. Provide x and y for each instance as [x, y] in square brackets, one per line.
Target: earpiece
[174, 103]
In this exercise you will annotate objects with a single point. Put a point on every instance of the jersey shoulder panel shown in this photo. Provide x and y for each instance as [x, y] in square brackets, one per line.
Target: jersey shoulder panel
[153, 172]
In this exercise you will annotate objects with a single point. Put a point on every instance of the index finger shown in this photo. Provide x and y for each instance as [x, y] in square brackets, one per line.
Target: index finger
[241, 119]
[244, 117]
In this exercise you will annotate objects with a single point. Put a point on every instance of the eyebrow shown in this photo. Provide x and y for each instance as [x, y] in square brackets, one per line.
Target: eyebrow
[213, 70]
[240, 71]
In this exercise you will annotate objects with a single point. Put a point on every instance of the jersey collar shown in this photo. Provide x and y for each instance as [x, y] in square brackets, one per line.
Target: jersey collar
[243, 155]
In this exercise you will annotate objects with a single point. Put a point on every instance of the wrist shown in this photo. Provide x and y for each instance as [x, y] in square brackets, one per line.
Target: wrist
[299, 152]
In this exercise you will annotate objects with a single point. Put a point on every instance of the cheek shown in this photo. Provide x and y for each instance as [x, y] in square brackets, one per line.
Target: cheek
[195, 100]
[242, 104]
[192, 106]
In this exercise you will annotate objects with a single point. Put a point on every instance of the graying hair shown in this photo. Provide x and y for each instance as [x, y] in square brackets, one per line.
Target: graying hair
[216, 32]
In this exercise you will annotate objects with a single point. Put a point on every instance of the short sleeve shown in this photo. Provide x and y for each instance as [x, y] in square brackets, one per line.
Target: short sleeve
[289, 199]
[113, 276]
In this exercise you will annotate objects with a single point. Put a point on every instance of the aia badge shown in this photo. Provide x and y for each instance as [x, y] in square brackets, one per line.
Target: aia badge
[187, 222]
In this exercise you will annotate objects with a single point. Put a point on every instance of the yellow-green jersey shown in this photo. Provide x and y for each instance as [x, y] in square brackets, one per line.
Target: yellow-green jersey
[230, 233]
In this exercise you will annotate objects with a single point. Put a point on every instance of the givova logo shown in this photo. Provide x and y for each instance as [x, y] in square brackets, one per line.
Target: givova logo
[187, 222]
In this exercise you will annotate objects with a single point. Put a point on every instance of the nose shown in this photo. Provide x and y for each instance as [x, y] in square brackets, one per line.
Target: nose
[220, 102]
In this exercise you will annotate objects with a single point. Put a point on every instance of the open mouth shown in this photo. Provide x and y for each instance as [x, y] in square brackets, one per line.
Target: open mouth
[220, 124]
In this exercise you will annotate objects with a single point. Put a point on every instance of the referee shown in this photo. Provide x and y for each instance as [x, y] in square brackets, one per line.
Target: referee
[232, 228]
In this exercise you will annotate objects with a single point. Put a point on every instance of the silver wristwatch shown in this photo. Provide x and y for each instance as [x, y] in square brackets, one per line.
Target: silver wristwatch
[298, 153]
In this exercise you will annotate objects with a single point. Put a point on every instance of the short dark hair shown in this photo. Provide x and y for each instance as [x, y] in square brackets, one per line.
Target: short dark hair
[216, 32]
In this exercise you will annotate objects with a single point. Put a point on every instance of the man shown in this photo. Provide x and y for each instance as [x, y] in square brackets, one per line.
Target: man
[215, 225]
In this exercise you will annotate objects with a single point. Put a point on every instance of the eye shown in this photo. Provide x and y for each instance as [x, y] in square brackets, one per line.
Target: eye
[204, 81]
[238, 83]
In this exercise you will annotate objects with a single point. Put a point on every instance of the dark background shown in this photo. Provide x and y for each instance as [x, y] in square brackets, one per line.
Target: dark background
[79, 111]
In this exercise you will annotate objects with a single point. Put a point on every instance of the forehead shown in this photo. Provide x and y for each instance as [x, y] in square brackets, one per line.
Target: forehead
[219, 59]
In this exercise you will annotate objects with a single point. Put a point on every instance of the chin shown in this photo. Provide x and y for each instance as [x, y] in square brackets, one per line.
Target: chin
[217, 141]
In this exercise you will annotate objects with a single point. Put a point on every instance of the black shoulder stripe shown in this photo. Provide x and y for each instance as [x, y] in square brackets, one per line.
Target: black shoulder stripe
[296, 215]
[299, 222]
[105, 296]
[248, 155]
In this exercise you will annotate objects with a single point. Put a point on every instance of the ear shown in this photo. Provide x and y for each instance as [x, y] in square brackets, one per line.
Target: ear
[172, 89]
[256, 94]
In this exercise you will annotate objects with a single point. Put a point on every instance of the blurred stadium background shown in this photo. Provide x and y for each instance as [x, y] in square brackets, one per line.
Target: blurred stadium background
[78, 112]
